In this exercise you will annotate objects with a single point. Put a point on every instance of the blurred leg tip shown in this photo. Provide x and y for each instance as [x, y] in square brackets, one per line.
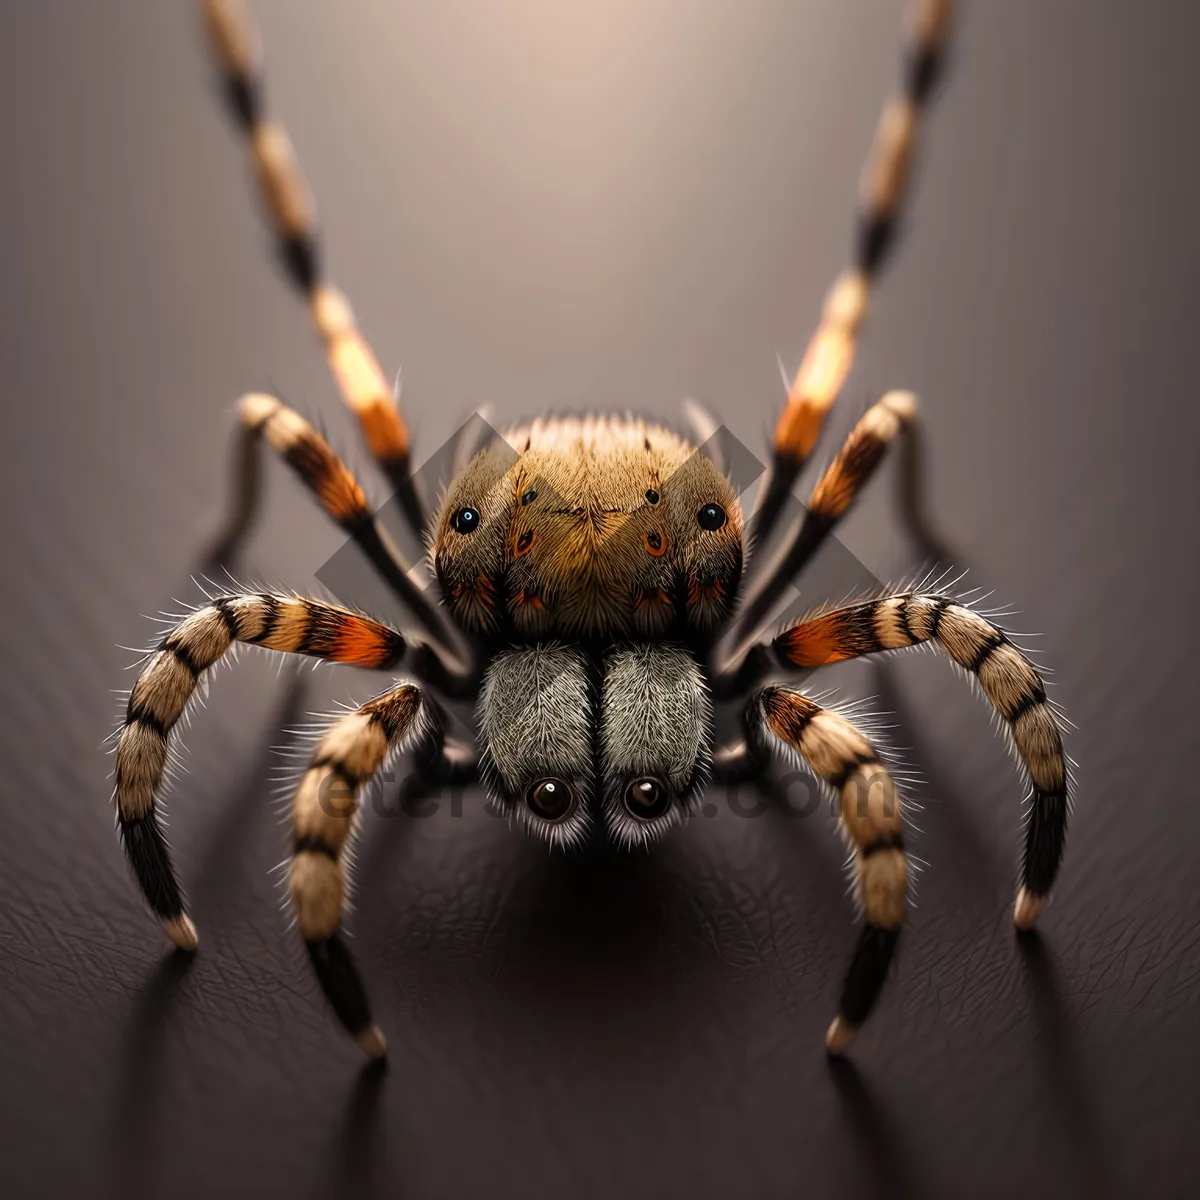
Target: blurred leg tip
[839, 1036]
[1027, 909]
[902, 404]
[182, 932]
[372, 1042]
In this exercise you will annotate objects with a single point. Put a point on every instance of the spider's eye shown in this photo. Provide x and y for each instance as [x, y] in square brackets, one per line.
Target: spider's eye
[465, 520]
[647, 798]
[528, 498]
[651, 496]
[551, 799]
[711, 517]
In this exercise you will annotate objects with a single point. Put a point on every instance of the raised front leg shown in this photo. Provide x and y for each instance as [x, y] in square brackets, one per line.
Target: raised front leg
[289, 208]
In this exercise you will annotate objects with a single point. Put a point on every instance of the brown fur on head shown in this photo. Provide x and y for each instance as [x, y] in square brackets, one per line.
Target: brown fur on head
[589, 527]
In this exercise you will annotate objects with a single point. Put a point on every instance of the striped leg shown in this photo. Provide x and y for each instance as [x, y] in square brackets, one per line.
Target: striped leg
[304, 450]
[830, 353]
[264, 418]
[1009, 681]
[165, 686]
[289, 207]
[831, 499]
[871, 820]
[324, 812]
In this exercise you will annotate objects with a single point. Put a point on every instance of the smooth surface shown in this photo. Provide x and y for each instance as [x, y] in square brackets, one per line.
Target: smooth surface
[615, 205]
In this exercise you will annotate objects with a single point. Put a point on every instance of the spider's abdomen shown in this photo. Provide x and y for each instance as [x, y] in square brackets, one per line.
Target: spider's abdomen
[599, 526]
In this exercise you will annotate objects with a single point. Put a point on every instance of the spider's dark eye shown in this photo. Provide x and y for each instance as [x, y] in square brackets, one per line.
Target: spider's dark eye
[551, 799]
[647, 798]
[711, 517]
[651, 496]
[465, 520]
[528, 498]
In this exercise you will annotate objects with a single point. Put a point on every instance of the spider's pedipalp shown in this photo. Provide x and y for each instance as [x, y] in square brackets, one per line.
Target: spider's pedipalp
[1009, 681]
[655, 739]
[168, 682]
[535, 717]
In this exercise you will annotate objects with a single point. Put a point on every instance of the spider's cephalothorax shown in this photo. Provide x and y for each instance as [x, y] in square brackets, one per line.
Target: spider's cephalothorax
[599, 528]
[592, 603]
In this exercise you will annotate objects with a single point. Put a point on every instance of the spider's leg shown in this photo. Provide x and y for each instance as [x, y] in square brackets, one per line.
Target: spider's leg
[894, 415]
[871, 819]
[830, 352]
[168, 681]
[912, 497]
[245, 501]
[290, 210]
[1008, 680]
[441, 760]
[327, 800]
[264, 418]
[735, 764]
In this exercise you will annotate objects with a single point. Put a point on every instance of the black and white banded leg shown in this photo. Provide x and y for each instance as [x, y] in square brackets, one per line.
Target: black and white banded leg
[323, 819]
[871, 819]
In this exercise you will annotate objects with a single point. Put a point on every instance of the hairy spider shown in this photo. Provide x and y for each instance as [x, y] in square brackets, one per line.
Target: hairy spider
[590, 571]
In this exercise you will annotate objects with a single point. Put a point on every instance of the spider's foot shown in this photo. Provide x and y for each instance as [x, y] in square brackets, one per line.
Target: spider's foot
[181, 931]
[372, 1042]
[736, 764]
[451, 762]
[839, 1036]
[1027, 909]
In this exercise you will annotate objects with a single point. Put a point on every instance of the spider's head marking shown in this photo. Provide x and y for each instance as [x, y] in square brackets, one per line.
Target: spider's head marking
[585, 527]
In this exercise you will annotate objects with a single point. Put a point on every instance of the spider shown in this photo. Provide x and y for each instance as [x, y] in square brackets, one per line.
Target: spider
[592, 604]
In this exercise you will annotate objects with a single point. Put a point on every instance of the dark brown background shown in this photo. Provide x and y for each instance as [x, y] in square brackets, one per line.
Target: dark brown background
[604, 205]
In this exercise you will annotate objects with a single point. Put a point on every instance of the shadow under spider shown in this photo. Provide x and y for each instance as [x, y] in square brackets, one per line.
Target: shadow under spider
[136, 1137]
[970, 858]
[218, 862]
[883, 1149]
[392, 815]
[819, 869]
[1067, 1092]
[354, 1159]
